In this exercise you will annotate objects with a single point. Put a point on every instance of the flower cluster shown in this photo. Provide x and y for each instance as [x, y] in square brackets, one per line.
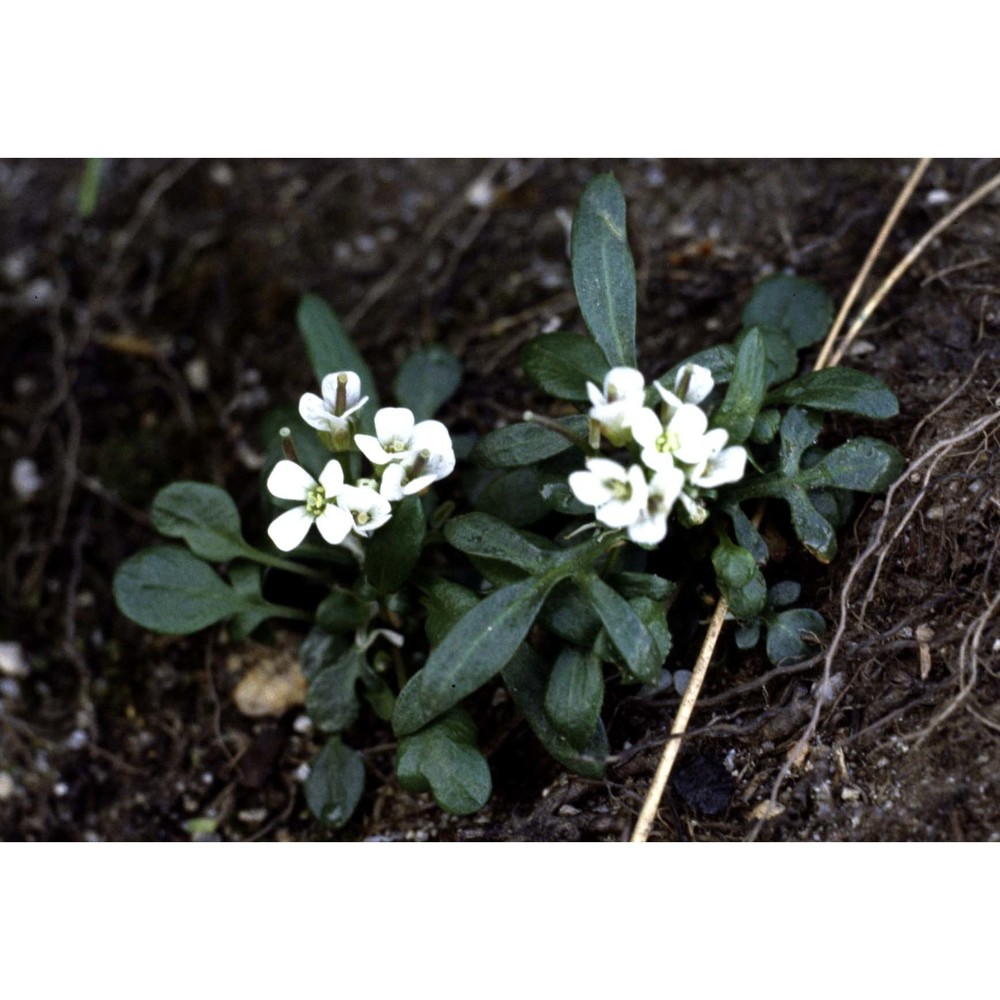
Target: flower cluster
[678, 455]
[407, 457]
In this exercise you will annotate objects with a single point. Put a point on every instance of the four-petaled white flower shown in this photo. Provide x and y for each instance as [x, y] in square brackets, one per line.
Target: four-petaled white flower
[721, 465]
[650, 528]
[411, 455]
[366, 507]
[332, 414]
[290, 481]
[613, 410]
[682, 439]
[692, 384]
[620, 496]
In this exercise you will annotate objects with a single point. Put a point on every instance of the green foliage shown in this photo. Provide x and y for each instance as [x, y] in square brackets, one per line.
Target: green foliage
[168, 590]
[739, 579]
[427, 379]
[332, 699]
[443, 759]
[628, 634]
[525, 444]
[799, 307]
[603, 272]
[745, 395]
[204, 516]
[394, 549]
[335, 783]
[840, 390]
[574, 694]
[561, 364]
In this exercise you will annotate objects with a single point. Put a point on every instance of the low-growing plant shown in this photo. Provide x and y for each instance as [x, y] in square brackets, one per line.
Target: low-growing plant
[580, 535]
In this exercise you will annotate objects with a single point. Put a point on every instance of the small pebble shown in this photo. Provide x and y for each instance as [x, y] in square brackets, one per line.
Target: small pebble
[937, 197]
[254, 816]
[196, 373]
[60, 789]
[13, 662]
[15, 268]
[39, 292]
[302, 724]
[24, 478]
[76, 740]
[480, 194]
[302, 772]
[221, 174]
[7, 786]
[681, 680]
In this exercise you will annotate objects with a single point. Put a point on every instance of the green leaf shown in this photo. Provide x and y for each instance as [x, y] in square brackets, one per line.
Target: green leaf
[574, 695]
[632, 585]
[525, 444]
[865, 464]
[569, 614]
[525, 679]
[443, 758]
[472, 653]
[745, 395]
[427, 379]
[202, 515]
[785, 632]
[765, 427]
[446, 603]
[335, 783]
[739, 579]
[557, 495]
[625, 629]
[342, 611]
[330, 350]
[747, 636]
[245, 579]
[332, 698]
[653, 614]
[514, 496]
[562, 364]
[784, 593]
[782, 357]
[481, 535]
[814, 531]
[168, 590]
[746, 534]
[377, 693]
[603, 272]
[320, 650]
[798, 306]
[841, 390]
[395, 548]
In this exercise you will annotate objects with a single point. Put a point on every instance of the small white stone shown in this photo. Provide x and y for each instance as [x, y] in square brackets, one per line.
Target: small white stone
[15, 268]
[255, 816]
[39, 292]
[196, 373]
[302, 724]
[7, 786]
[302, 772]
[24, 478]
[60, 789]
[13, 662]
[76, 740]
[480, 194]
[937, 197]
[221, 174]
[681, 680]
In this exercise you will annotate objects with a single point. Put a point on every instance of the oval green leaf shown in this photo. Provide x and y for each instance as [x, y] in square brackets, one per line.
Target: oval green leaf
[574, 695]
[603, 272]
[798, 306]
[335, 783]
[202, 515]
[562, 364]
[843, 390]
[427, 379]
[525, 444]
[395, 548]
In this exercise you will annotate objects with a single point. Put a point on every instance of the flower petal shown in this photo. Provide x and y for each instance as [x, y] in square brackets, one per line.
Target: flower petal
[646, 427]
[589, 488]
[699, 382]
[313, 411]
[352, 389]
[649, 530]
[607, 470]
[391, 486]
[595, 394]
[334, 524]
[726, 467]
[673, 403]
[332, 478]
[619, 513]
[372, 450]
[624, 383]
[288, 529]
[289, 481]
[394, 423]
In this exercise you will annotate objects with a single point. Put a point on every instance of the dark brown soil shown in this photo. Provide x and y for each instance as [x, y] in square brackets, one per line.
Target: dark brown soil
[144, 343]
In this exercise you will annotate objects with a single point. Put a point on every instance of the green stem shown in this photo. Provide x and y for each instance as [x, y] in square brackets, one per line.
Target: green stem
[286, 564]
[282, 611]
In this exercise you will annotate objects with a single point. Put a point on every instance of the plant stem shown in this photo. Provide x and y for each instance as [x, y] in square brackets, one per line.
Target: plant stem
[286, 564]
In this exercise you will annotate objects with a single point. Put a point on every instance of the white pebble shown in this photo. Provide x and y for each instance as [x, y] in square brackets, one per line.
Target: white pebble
[76, 740]
[302, 772]
[480, 193]
[15, 268]
[681, 680]
[221, 174]
[196, 373]
[937, 197]
[39, 292]
[24, 478]
[59, 789]
[7, 786]
[303, 724]
[13, 662]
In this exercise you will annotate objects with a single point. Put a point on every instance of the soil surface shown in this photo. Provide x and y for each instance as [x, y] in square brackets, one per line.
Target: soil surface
[144, 343]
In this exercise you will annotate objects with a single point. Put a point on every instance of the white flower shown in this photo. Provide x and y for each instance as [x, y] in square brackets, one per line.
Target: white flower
[410, 455]
[692, 384]
[341, 400]
[365, 507]
[682, 439]
[290, 481]
[613, 409]
[721, 465]
[619, 496]
[651, 526]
